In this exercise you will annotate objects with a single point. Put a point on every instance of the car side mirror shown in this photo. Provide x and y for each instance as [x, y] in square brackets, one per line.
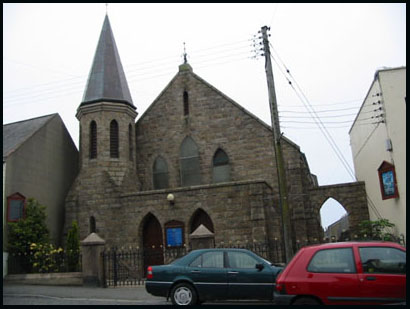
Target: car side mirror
[259, 267]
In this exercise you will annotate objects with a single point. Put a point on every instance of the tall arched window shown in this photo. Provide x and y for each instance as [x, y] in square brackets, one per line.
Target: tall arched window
[114, 139]
[186, 104]
[221, 168]
[130, 142]
[160, 173]
[93, 227]
[189, 163]
[93, 140]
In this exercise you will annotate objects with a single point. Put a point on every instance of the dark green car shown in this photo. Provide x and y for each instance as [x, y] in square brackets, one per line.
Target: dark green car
[213, 274]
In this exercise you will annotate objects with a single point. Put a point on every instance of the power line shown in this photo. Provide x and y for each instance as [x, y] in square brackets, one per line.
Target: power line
[329, 138]
[53, 87]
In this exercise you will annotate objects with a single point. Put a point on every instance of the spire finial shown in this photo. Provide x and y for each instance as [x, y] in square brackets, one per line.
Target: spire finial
[106, 9]
[185, 55]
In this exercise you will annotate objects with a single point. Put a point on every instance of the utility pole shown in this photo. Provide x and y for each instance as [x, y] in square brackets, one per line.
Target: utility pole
[283, 192]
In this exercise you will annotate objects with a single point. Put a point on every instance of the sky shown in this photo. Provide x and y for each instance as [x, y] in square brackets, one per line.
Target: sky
[332, 52]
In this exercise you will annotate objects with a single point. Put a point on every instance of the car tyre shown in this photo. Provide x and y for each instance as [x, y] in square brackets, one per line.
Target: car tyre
[306, 301]
[183, 294]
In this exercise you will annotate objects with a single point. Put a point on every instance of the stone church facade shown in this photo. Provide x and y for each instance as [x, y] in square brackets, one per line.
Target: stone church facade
[194, 157]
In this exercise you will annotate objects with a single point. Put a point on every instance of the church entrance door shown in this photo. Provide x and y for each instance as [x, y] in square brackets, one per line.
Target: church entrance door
[152, 243]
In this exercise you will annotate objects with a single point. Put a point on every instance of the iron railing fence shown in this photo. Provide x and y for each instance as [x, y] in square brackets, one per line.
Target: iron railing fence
[126, 267]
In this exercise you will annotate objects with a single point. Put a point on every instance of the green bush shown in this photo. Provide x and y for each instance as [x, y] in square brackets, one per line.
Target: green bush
[376, 230]
[46, 258]
[31, 229]
[73, 247]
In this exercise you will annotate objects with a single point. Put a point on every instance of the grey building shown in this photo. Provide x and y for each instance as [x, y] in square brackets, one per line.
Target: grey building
[194, 157]
[40, 160]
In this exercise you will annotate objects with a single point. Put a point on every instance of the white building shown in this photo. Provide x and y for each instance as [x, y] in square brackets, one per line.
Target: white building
[378, 141]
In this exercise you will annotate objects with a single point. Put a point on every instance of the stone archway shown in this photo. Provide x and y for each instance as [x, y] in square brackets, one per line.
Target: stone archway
[334, 220]
[351, 195]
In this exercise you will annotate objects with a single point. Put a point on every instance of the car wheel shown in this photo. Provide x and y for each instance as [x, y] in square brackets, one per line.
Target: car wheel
[183, 294]
[306, 301]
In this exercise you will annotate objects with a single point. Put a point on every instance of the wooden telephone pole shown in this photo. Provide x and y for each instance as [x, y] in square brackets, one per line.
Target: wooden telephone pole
[283, 192]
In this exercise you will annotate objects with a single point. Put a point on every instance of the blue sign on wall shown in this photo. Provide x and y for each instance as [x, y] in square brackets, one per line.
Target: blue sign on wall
[388, 183]
[174, 237]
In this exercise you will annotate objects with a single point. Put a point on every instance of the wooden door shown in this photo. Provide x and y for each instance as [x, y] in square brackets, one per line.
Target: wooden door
[152, 243]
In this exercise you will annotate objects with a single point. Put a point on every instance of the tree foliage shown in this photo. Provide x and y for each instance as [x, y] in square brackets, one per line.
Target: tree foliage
[73, 247]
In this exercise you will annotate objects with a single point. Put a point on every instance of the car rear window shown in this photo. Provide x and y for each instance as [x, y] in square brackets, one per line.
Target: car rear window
[338, 260]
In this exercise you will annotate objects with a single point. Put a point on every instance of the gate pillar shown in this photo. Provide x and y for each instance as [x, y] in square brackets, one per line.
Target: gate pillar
[92, 263]
[202, 238]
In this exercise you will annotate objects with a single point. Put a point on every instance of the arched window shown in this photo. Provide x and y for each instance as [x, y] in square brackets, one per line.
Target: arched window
[160, 173]
[186, 104]
[93, 140]
[189, 163]
[221, 168]
[114, 139]
[93, 228]
[130, 142]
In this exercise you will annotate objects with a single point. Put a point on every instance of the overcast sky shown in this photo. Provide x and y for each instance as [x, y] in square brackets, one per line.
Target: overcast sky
[331, 50]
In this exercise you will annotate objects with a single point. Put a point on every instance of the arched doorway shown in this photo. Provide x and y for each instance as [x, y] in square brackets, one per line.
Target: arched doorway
[152, 242]
[201, 217]
[334, 220]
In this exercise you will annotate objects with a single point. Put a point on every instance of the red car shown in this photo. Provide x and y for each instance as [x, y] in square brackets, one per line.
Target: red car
[345, 273]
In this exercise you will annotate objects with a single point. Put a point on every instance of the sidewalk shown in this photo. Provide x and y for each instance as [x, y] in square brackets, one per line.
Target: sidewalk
[79, 292]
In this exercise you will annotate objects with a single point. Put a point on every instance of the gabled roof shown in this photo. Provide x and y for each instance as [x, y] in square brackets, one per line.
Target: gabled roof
[16, 133]
[187, 69]
[106, 81]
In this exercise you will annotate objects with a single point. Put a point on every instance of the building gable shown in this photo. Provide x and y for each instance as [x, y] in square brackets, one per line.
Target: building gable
[16, 133]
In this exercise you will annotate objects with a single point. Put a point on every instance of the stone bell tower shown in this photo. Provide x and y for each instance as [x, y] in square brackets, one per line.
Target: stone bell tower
[107, 115]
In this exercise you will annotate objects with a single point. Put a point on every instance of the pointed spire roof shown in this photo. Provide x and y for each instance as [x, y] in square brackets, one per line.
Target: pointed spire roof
[106, 81]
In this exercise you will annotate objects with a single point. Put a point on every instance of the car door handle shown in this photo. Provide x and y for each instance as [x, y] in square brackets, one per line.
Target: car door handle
[233, 272]
[370, 278]
[195, 271]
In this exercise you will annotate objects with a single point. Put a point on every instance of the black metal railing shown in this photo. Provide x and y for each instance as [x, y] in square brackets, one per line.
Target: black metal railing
[126, 267]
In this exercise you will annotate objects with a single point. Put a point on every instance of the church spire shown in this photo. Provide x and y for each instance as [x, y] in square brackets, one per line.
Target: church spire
[106, 81]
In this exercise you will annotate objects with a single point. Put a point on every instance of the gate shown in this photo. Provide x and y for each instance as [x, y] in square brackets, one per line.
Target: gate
[126, 267]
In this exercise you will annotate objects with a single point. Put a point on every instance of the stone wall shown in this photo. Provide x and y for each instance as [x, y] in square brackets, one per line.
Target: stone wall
[214, 121]
[240, 211]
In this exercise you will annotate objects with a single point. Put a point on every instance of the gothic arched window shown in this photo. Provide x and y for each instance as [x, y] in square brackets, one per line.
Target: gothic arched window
[93, 140]
[160, 173]
[114, 139]
[221, 168]
[186, 104]
[189, 163]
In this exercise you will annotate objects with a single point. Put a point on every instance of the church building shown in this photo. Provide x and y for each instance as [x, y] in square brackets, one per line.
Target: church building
[194, 159]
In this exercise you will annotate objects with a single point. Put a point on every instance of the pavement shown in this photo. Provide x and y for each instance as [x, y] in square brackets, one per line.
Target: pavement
[13, 293]
[25, 294]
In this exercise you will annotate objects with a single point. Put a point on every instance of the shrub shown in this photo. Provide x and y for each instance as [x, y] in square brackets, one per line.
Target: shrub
[376, 230]
[46, 258]
[31, 229]
[73, 247]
